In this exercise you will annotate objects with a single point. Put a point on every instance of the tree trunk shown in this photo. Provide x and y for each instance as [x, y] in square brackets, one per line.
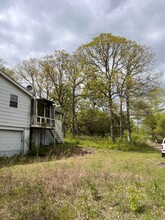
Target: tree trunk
[73, 112]
[121, 118]
[128, 118]
[111, 120]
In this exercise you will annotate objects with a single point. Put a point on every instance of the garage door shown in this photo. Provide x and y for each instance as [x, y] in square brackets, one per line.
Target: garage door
[10, 142]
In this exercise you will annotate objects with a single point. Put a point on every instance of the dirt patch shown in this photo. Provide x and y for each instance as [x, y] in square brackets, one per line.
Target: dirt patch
[81, 152]
[162, 164]
[154, 145]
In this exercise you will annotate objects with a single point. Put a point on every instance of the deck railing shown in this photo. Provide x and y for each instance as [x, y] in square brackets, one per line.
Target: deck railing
[44, 122]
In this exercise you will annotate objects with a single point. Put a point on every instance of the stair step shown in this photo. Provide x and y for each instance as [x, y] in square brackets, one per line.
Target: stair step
[56, 136]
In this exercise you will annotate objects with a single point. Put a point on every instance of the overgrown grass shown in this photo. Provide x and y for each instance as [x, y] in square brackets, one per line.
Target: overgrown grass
[107, 184]
[46, 153]
[106, 143]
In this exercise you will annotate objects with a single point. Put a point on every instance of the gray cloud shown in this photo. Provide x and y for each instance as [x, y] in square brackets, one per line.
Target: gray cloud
[37, 28]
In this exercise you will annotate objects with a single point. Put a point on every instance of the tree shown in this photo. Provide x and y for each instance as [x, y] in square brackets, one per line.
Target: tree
[29, 73]
[110, 73]
[45, 69]
[6, 70]
[138, 60]
[54, 68]
[154, 116]
[93, 121]
[76, 75]
[103, 56]
[160, 126]
[120, 67]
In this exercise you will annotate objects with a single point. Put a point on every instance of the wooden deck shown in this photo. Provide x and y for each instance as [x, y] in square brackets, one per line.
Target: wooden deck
[42, 122]
[54, 125]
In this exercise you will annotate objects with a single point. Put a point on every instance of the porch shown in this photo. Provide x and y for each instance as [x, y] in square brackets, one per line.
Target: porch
[44, 115]
[42, 122]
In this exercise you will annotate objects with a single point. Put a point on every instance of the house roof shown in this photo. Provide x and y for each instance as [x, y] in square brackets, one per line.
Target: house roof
[14, 82]
[45, 101]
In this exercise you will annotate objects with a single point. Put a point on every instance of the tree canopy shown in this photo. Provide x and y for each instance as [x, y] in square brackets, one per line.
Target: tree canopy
[104, 86]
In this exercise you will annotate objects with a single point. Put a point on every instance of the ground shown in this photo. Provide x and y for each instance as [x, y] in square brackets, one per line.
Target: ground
[83, 183]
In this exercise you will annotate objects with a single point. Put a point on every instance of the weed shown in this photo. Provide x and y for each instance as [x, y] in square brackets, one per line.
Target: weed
[135, 199]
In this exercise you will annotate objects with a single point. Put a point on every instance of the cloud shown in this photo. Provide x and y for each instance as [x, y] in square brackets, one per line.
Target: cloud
[37, 28]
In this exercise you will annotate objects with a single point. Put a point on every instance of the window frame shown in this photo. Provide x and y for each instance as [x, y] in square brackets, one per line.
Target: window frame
[13, 101]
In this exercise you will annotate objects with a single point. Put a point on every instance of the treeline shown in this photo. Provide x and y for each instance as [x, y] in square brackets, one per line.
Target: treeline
[105, 86]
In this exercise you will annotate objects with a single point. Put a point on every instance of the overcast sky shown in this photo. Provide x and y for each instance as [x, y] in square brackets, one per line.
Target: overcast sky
[34, 28]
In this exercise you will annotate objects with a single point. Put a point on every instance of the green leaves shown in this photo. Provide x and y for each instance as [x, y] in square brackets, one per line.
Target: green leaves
[119, 72]
[110, 71]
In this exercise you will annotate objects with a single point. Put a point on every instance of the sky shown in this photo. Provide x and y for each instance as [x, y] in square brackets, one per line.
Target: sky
[35, 28]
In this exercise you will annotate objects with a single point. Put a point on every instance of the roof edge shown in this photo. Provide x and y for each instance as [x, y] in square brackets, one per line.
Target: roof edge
[14, 82]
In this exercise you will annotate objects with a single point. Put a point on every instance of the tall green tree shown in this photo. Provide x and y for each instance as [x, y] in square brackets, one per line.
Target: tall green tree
[154, 117]
[77, 77]
[54, 67]
[103, 55]
[138, 60]
[120, 69]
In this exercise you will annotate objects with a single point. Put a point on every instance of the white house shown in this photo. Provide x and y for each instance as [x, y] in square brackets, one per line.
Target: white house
[24, 120]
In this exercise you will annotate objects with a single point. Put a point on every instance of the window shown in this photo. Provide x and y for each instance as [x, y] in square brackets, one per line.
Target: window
[13, 101]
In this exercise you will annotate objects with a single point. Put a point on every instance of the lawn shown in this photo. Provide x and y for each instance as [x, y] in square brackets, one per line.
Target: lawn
[86, 183]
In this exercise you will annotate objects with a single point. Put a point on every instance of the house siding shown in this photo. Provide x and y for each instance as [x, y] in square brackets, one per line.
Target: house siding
[14, 119]
[9, 116]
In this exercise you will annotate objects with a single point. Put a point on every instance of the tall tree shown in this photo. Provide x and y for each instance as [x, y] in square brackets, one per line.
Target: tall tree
[137, 60]
[29, 73]
[154, 117]
[103, 55]
[55, 68]
[46, 67]
[77, 77]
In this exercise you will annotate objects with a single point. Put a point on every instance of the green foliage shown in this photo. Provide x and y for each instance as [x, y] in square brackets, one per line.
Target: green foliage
[154, 125]
[136, 145]
[153, 119]
[135, 200]
[93, 122]
[160, 126]
[110, 75]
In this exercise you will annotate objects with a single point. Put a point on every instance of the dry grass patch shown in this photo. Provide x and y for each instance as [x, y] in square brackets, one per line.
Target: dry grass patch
[104, 185]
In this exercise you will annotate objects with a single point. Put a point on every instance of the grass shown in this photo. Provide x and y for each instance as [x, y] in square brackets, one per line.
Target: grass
[106, 143]
[105, 184]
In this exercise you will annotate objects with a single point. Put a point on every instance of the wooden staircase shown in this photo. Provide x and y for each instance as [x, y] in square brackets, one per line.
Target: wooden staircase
[56, 137]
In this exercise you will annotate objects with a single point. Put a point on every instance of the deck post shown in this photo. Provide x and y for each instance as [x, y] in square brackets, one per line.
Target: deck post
[36, 107]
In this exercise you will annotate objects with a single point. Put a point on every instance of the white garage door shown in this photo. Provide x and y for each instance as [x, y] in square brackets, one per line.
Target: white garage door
[10, 142]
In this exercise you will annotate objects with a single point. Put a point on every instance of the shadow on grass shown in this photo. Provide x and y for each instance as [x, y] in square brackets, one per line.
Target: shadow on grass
[45, 154]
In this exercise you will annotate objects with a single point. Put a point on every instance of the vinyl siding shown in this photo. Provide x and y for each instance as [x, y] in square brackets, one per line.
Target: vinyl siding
[9, 116]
